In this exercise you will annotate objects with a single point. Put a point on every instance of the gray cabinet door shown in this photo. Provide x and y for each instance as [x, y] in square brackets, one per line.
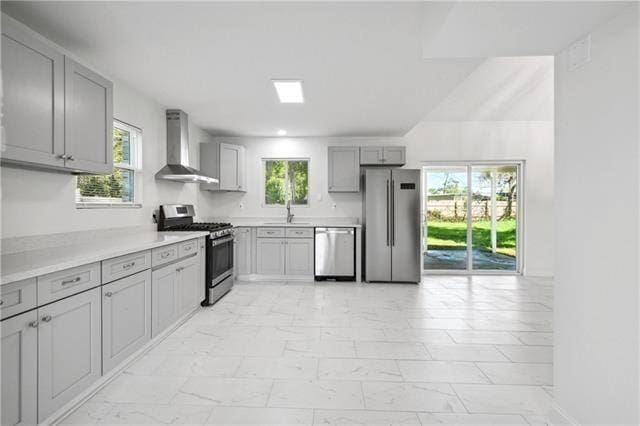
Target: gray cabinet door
[394, 155]
[344, 169]
[371, 155]
[33, 104]
[243, 251]
[191, 289]
[88, 120]
[126, 318]
[69, 349]
[164, 298]
[299, 256]
[231, 167]
[270, 256]
[19, 369]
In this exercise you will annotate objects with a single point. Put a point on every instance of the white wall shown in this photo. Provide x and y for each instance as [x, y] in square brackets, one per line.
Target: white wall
[596, 356]
[40, 202]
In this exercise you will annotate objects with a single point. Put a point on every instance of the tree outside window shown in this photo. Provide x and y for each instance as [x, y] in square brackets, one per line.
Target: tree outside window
[286, 180]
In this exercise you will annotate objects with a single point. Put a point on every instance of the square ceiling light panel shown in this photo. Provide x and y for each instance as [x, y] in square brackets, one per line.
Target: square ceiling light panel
[289, 91]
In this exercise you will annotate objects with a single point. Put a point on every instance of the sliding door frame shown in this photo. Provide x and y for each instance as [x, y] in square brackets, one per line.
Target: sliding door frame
[520, 216]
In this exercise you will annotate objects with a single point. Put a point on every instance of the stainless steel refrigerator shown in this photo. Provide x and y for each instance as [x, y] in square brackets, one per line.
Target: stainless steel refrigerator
[392, 231]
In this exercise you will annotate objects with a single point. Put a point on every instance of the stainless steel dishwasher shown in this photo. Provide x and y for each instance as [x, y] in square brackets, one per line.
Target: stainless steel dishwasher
[335, 256]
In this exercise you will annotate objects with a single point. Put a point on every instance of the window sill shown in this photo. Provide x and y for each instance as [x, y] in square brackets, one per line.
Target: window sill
[108, 205]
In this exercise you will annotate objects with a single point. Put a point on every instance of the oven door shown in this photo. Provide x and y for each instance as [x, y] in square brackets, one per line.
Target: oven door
[219, 260]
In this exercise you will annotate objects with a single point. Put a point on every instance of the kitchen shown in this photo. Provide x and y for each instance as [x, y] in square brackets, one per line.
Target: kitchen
[243, 231]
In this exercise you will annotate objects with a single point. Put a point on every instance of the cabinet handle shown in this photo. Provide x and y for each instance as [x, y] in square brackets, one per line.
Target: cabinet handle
[46, 318]
[180, 269]
[70, 158]
[108, 294]
[62, 157]
[128, 265]
[165, 255]
[1, 302]
[33, 324]
[75, 280]
[188, 248]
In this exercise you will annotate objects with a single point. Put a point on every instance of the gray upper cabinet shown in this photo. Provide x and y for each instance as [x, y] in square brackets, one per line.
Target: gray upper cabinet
[89, 119]
[225, 162]
[57, 113]
[344, 169]
[126, 318]
[20, 369]
[33, 105]
[232, 158]
[383, 156]
[69, 349]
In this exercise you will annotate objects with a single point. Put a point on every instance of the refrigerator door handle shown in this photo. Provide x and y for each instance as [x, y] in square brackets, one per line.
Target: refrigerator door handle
[387, 212]
[393, 213]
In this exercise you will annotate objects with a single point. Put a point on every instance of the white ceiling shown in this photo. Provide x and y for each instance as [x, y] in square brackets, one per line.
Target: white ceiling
[363, 64]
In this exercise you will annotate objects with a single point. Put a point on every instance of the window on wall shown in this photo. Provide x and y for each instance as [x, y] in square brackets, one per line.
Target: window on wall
[122, 188]
[286, 180]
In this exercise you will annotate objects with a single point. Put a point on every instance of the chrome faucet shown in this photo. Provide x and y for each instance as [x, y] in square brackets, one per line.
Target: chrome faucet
[289, 214]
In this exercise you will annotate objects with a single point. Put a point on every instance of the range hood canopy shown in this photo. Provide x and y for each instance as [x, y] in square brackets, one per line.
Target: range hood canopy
[177, 168]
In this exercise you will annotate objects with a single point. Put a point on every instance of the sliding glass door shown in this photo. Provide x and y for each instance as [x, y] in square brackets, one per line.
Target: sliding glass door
[472, 217]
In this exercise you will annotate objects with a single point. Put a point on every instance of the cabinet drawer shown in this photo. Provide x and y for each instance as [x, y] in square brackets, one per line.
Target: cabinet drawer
[270, 232]
[68, 282]
[299, 232]
[17, 297]
[122, 266]
[162, 255]
[187, 248]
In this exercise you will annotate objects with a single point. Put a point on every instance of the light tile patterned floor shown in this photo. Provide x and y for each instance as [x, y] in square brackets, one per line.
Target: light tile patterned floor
[454, 350]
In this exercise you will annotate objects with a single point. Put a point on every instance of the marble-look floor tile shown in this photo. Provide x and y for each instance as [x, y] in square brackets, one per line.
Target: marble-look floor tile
[233, 346]
[320, 349]
[140, 389]
[439, 323]
[534, 338]
[483, 337]
[517, 373]
[193, 365]
[522, 353]
[417, 335]
[505, 399]
[316, 394]
[289, 333]
[391, 350]
[441, 372]
[471, 419]
[260, 416]
[226, 392]
[395, 396]
[364, 417]
[278, 368]
[465, 353]
[352, 334]
[138, 414]
[358, 369]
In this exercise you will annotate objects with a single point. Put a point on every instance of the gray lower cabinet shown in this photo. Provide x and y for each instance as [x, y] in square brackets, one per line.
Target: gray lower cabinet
[299, 256]
[164, 298]
[126, 318]
[69, 349]
[270, 254]
[190, 287]
[344, 169]
[242, 259]
[20, 369]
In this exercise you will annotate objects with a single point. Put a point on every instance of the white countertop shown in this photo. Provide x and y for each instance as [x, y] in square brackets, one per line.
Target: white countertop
[298, 222]
[39, 261]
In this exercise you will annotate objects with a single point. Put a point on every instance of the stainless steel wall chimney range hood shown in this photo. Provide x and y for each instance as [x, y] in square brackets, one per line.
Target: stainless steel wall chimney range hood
[177, 168]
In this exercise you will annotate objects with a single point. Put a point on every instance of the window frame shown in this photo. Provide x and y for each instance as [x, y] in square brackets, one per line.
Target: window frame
[134, 165]
[263, 188]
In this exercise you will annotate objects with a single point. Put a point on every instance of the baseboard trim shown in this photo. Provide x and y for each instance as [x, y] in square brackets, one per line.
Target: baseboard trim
[558, 416]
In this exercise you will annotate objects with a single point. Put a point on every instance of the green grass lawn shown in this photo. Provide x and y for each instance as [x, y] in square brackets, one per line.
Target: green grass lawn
[453, 235]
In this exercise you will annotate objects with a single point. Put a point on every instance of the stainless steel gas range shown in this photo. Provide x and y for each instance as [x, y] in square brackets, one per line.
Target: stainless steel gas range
[219, 251]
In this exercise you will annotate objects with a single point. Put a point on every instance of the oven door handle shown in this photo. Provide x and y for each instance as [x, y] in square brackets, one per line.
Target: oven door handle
[222, 241]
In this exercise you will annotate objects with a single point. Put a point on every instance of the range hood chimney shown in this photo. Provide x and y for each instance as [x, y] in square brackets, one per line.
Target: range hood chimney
[177, 168]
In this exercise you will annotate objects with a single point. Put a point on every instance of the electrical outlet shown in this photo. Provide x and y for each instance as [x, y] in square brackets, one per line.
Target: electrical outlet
[580, 53]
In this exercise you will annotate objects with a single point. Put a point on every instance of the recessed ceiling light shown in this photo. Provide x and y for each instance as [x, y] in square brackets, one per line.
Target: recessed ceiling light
[282, 132]
[289, 91]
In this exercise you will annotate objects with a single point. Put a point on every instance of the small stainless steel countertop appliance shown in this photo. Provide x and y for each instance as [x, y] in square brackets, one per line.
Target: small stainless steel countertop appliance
[219, 247]
[392, 229]
[335, 254]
